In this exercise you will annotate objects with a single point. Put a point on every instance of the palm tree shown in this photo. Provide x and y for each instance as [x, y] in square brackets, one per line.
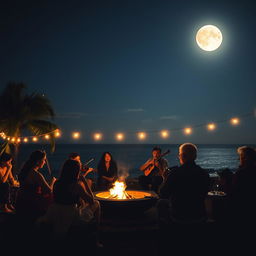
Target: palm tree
[24, 113]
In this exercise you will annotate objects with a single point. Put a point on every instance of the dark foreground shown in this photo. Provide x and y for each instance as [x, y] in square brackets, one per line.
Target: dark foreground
[131, 236]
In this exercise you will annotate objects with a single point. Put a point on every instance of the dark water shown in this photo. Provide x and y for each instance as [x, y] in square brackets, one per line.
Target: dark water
[129, 157]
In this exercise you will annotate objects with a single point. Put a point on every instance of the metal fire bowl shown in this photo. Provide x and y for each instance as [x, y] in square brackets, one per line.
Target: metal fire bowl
[141, 201]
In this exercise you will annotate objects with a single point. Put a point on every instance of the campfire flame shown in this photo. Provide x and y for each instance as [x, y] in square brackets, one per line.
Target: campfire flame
[118, 191]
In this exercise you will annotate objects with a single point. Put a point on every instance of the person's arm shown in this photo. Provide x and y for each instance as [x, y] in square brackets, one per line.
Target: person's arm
[84, 194]
[86, 186]
[110, 179]
[165, 187]
[47, 188]
[4, 174]
[86, 172]
[147, 164]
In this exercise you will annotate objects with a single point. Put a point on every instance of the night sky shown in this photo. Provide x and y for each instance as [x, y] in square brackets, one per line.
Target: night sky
[128, 66]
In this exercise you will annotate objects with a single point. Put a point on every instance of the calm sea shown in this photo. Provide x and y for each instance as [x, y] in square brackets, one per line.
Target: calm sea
[129, 157]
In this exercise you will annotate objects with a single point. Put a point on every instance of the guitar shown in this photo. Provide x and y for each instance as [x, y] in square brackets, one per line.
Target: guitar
[149, 169]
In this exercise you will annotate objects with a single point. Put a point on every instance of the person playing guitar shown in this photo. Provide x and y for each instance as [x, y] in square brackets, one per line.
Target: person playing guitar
[154, 169]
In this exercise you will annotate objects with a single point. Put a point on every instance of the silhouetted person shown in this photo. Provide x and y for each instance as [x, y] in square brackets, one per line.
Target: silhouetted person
[85, 170]
[73, 205]
[154, 169]
[6, 180]
[244, 189]
[184, 190]
[35, 193]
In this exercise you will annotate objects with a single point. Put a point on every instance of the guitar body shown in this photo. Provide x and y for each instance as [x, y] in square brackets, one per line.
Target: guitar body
[149, 170]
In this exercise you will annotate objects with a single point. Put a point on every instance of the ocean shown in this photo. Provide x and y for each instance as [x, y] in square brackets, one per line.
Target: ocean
[129, 157]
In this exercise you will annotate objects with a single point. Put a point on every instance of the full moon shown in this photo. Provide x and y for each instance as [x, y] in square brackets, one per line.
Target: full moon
[209, 38]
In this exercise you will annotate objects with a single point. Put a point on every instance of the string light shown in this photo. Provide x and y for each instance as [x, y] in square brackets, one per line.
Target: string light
[35, 139]
[164, 134]
[47, 136]
[76, 135]
[142, 135]
[187, 130]
[120, 136]
[57, 134]
[234, 121]
[97, 136]
[211, 126]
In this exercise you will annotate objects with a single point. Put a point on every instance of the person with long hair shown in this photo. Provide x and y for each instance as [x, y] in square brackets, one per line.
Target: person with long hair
[107, 171]
[73, 205]
[35, 193]
[6, 181]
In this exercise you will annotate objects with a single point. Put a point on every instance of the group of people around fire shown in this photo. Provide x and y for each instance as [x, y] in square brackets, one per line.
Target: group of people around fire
[69, 200]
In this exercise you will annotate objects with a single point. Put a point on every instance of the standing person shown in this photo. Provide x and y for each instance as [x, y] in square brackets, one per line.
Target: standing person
[154, 169]
[6, 180]
[184, 190]
[85, 170]
[107, 171]
[35, 194]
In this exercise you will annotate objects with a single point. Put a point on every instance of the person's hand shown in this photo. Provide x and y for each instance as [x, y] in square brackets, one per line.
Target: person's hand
[53, 180]
[8, 165]
[157, 164]
[90, 170]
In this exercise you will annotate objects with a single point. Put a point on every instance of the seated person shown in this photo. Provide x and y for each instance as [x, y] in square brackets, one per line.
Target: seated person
[6, 180]
[243, 190]
[184, 190]
[85, 170]
[107, 171]
[73, 205]
[35, 194]
[154, 170]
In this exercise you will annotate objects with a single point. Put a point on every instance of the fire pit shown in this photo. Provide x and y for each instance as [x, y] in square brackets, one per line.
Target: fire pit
[118, 201]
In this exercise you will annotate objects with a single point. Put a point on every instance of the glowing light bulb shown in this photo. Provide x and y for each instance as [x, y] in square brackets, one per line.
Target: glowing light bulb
[142, 135]
[25, 140]
[165, 134]
[76, 135]
[97, 136]
[120, 136]
[211, 126]
[188, 130]
[235, 121]
[57, 133]
[47, 136]
[35, 139]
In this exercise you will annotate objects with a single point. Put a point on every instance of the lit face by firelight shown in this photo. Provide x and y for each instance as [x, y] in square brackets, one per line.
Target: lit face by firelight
[107, 158]
[42, 162]
[156, 154]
